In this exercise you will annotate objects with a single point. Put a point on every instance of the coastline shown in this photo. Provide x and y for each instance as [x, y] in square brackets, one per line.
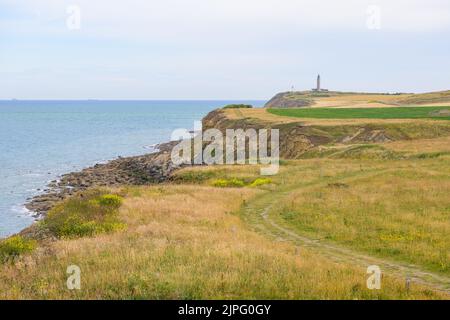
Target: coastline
[153, 167]
[333, 175]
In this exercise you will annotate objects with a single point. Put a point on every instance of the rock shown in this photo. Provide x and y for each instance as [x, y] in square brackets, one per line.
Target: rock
[138, 170]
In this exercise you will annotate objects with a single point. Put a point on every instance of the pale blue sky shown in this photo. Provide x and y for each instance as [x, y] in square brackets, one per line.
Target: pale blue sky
[220, 49]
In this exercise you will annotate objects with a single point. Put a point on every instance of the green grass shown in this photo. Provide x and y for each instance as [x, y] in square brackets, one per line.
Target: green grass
[193, 176]
[363, 113]
[394, 209]
[402, 214]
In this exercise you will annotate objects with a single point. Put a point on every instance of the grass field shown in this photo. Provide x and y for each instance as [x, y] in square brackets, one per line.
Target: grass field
[187, 242]
[225, 232]
[363, 113]
[395, 208]
[402, 214]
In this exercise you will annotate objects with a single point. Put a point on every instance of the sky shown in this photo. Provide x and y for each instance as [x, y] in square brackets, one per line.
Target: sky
[220, 49]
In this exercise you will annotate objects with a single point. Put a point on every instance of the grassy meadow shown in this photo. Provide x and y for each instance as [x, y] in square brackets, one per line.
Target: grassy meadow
[364, 113]
[187, 242]
[225, 232]
[391, 204]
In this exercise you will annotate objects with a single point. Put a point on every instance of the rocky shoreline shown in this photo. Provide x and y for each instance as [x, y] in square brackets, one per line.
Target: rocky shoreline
[137, 170]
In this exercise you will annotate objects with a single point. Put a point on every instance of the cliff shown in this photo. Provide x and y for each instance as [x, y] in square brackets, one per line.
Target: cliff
[297, 137]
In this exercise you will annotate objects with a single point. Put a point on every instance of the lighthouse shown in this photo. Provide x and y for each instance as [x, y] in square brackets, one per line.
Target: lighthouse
[318, 88]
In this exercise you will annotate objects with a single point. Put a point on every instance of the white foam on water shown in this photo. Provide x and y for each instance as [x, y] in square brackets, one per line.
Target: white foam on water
[22, 210]
[151, 147]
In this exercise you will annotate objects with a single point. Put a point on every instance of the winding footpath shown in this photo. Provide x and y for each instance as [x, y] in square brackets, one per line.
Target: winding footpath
[257, 214]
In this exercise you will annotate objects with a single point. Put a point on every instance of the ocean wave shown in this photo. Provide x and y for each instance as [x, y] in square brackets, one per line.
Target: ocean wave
[33, 175]
[151, 147]
[22, 210]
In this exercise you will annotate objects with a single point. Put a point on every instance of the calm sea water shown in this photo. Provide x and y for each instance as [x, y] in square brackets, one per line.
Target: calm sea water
[40, 140]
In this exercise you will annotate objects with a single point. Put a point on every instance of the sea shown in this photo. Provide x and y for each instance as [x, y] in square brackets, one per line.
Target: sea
[41, 140]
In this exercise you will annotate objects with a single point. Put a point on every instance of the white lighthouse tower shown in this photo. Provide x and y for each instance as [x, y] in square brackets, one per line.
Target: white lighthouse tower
[318, 88]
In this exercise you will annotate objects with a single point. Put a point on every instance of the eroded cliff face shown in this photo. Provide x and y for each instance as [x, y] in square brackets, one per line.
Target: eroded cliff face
[297, 138]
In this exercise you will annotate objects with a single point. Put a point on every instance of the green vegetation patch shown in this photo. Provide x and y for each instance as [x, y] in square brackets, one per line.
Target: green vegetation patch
[238, 106]
[15, 246]
[365, 113]
[194, 176]
[86, 214]
[238, 183]
[228, 183]
[430, 155]
[260, 182]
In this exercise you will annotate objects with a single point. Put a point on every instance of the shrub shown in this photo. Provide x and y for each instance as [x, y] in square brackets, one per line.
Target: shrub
[193, 176]
[238, 106]
[238, 183]
[110, 200]
[227, 183]
[260, 182]
[15, 246]
[86, 214]
[88, 229]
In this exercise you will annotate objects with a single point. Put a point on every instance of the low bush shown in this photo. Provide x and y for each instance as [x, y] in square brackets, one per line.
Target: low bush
[260, 182]
[194, 176]
[15, 246]
[238, 183]
[238, 106]
[86, 214]
[110, 200]
[228, 183]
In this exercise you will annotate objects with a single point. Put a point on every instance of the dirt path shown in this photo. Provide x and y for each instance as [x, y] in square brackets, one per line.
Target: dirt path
[340, 254]
[258, 215]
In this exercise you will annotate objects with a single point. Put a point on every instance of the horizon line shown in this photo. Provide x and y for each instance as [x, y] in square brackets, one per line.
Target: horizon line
[93, 99]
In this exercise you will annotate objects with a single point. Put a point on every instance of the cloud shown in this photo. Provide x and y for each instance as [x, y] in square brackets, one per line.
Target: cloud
[213, 19]
[216, 48]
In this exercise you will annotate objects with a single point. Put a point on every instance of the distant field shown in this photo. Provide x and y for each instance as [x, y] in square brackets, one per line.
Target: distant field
[363, 113]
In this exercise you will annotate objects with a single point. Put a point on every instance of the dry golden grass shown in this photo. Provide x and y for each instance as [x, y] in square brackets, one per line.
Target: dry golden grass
[184, 242]
[261, 114]
[392, 209]
[257, 113]
[358, 101]
[376, 100]
[189, 240]
[441, 144]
